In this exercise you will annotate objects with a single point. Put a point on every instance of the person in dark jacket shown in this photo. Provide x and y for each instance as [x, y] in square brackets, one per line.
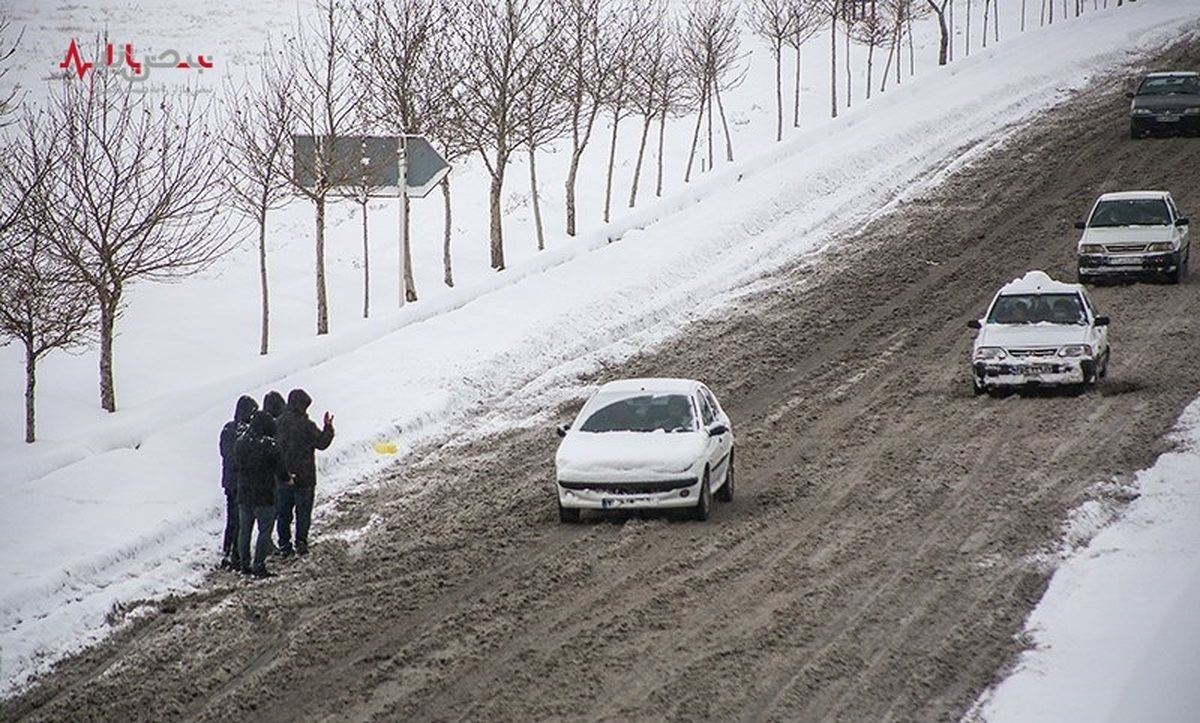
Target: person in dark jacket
[259, 465]
[299, 438]
[273, 402]
[234, 428]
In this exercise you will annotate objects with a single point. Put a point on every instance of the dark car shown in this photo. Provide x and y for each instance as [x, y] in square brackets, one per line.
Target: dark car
[1166, 103]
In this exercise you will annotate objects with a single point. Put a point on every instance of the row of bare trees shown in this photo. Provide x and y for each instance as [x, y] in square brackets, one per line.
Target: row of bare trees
[104, 186]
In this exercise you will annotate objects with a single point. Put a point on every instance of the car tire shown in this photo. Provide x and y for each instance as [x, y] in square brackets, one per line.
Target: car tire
[725, 494]
[568, 515]
[704, 500]
[1134, 133]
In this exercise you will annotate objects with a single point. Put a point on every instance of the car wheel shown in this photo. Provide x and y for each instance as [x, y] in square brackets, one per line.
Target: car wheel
[1104, 369]
[725, 494]
[1134, 134]
[567, 515]
[704, 503]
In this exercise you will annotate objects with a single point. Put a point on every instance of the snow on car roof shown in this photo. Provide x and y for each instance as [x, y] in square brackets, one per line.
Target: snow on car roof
[654, 385]
[1171, 73]
[1132, 195]
[1037, 282]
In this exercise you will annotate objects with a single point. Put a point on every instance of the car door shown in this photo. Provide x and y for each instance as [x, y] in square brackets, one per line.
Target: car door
[719, 445]
[1097, 335]
[1180, 231]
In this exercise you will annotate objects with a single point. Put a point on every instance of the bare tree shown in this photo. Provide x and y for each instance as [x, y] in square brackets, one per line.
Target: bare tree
[655, 92]
[257, 149]
[543, 117]
[498, 43]
[8, 99]
[874, 29]
[398, 43]
[712, 62]
[939, 9]
[43, 305]
[323, 96]
[630, 33]
[772, 21]
[805, 21]
[134, 196]
[587, 74]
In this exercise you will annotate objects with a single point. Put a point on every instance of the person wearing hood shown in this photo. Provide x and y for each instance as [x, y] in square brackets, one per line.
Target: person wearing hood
[259, 465]
[233, 429]
[299, 438]
[273, 402]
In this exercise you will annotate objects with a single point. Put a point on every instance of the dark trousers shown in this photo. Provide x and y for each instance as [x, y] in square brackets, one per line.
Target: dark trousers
[229, 541]
[263, 516]
[285, 507]
[304, 507]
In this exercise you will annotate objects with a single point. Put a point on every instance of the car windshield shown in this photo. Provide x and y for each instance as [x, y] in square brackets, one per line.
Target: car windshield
[646, 413]
[1168, 84]
[1131, 212]
[1037, 308]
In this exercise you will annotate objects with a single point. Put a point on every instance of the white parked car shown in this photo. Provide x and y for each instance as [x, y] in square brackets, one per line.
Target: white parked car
[1039, 331]
[1133, 233]
[646, 444]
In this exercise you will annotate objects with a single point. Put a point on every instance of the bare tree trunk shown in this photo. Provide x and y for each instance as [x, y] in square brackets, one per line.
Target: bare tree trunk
[366, 262]
[265, 327]
[612, 161]
[724, 124]
[849, 74]
[322, 300]
[987, 11]
[887, 67]
[108, 317]
[572, 173]
[708, 129]
[967, 33]
[410, 284]
[662, 132]
[796, 99]
[687, 176]
[778, 93]
[641, 154]
[447, 270]
[496, 231]
[537, 206]
[30, 395]
[833, 68]
[870, 66]
[996, 20]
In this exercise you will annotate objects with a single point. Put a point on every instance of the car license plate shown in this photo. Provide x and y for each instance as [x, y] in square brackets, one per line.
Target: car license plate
[1167, 118]
[1039, 369]
[1125, 261]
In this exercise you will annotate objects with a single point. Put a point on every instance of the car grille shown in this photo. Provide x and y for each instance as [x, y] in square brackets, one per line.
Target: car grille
[629, 488]
[1125, 248]
[1031, 353]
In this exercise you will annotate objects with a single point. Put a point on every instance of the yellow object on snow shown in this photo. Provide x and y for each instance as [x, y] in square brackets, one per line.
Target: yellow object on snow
[385, 447]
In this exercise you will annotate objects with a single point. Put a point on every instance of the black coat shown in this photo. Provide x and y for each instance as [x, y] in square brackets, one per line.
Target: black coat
[259, 463]
[299, 437]
[233, 429]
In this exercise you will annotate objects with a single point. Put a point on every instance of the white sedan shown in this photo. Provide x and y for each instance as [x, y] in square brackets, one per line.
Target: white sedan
[646, 444]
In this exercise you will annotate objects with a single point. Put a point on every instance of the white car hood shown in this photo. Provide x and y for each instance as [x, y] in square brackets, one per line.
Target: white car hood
[1127, 234]
[1023, 336]
[633, 456]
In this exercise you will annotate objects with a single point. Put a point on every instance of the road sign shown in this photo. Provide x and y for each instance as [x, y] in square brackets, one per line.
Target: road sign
[372, 162]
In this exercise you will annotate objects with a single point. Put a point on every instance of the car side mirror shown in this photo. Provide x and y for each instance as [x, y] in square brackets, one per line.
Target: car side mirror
[718, 430]
[561, 429]
[1181, 221]
[1129, 94]
[1080, 224]
[974, 324]
[1101, 321]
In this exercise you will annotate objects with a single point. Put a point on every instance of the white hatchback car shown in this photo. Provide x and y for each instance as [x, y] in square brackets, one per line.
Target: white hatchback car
[1039, 331]
[646, 444]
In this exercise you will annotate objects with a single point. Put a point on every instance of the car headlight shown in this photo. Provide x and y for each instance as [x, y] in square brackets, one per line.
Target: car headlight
[1091, 249]
[1191, 111]
[990, 352]
[1161, 246]
[1075, 350]
[1142, 111]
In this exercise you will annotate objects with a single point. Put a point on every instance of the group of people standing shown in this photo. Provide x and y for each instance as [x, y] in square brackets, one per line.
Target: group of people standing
[269, 474]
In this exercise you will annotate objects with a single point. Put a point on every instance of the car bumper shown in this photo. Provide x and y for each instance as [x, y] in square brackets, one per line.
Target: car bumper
[1055, 372]
[628, 495]
[1158, 263]
[1166, 123]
